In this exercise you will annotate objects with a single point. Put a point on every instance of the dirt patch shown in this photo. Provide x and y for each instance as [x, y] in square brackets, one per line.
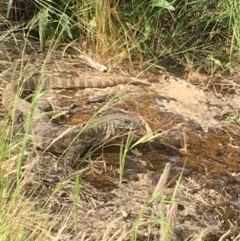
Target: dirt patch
[197, 139]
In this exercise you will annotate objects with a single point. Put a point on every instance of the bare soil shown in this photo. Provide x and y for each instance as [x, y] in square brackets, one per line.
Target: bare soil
[200, 138]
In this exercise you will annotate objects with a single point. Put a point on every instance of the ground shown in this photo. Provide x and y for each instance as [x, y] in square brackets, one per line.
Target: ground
[200, 137]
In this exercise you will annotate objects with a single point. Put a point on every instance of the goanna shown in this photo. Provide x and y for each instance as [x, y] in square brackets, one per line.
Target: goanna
[68, 140]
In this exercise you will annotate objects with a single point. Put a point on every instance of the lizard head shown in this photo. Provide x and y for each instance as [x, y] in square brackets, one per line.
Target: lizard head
[121, 122]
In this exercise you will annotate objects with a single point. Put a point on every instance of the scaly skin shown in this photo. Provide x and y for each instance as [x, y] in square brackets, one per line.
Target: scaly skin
[74, 82]
[56, 138]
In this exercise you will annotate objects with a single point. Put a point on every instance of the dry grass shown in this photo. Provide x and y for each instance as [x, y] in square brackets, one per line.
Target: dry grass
[39, 200]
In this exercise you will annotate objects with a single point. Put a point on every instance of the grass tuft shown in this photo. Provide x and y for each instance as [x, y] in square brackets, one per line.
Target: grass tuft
[171, 34]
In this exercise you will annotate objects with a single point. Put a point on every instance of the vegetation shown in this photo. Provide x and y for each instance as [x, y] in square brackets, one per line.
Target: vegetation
[173, 34]
[176, 35]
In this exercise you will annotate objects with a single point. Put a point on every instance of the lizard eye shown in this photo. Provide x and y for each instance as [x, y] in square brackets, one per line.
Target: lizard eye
[128, 123]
